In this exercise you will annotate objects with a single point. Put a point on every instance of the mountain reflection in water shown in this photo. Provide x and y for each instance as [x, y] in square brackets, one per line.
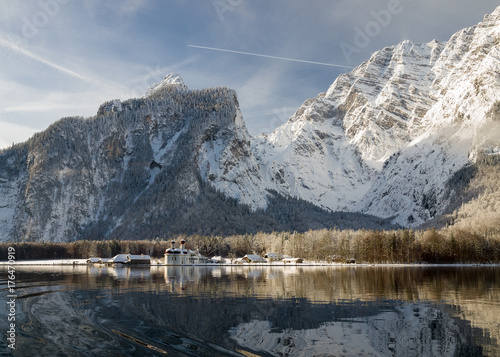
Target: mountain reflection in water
[262, 311]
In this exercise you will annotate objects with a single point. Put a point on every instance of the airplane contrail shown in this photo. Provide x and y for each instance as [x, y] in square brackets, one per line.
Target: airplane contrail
[43, 60]
[268, 56]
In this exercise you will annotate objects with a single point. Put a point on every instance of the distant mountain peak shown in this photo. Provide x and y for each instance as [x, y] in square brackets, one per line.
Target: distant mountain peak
[171, 79]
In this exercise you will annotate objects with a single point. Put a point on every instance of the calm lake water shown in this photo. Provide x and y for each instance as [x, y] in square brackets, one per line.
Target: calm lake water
[255, 311]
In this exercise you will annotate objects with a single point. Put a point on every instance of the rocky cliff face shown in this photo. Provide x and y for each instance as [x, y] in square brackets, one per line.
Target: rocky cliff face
[126, 168]
[387, 138]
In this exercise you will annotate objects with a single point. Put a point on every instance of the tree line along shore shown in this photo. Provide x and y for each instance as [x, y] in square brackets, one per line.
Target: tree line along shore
[445, 246]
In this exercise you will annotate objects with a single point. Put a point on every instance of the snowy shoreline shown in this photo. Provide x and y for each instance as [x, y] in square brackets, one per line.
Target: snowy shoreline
[72, 262]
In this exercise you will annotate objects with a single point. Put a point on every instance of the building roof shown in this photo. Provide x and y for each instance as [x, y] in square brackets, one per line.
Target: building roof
[182, 251]
[139, 257]
[120, 258]
[253, 258]
[273, 256]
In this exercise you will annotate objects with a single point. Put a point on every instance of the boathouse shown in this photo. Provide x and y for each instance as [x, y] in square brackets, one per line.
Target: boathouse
[293, 260]
[139, 259]
[273, 257]
[123, 259]
[253, 258]
[119, 259]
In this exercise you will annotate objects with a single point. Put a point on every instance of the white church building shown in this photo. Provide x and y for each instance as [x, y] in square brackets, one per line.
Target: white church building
[181, 256]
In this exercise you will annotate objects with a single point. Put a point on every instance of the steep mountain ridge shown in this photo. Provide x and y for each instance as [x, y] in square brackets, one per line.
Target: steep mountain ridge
[338, 141]
[386, 137]
[454, 131]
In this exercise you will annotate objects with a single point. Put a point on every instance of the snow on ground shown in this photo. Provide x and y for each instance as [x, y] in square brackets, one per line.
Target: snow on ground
[48, 262]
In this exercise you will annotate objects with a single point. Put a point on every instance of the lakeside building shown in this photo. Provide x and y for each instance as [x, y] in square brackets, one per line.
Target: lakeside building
[220, 260]
[273, 257]
[139, 259]
[119, 259]
[269, 258]
[253, 258]
[182, 256]
[122, 259]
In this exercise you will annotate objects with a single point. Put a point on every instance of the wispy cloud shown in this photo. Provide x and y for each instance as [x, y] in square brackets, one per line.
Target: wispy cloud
[43, 60]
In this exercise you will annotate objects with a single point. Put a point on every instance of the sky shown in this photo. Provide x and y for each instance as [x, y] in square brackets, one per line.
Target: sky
[61, 58]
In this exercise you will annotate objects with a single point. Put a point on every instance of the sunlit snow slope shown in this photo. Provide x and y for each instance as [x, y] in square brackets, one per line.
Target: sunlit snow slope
[386, 138]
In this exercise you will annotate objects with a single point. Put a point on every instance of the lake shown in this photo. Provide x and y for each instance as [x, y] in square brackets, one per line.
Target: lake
[254, 311]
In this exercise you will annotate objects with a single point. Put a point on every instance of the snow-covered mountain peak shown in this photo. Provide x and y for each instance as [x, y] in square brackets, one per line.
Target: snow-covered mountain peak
[371, 142]
[173, 78]
[170, 80]
[493, 17]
